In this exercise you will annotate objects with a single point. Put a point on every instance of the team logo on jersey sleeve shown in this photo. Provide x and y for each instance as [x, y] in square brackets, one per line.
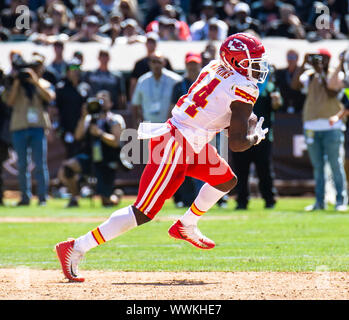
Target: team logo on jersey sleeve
[243, 94]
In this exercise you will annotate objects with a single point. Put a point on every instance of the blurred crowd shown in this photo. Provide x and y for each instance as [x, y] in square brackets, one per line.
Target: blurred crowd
[88, 109]
[127, 21]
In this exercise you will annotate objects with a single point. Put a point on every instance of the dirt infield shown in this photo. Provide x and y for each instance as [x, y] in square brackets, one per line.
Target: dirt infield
[30, 284]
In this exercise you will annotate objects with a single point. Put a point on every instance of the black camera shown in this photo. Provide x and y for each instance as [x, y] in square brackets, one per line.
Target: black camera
[20, 65]
[94, 108]
[315, 59]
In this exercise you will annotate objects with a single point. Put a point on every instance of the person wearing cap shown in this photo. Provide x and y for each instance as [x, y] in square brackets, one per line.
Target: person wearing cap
[130, 32]
[325, 141]
[89, 31]
[200, 29]
[142, 66]
[71, 93]
[29, 96]
[241, 20]
[78, 14]
[181, 28]
[167, 29]
[112, 29]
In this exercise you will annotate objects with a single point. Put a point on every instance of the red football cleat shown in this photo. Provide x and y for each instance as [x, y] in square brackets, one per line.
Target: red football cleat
[69, 259]
[191, 234]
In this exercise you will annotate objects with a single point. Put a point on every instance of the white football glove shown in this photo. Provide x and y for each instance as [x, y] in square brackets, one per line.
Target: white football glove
[259, 131]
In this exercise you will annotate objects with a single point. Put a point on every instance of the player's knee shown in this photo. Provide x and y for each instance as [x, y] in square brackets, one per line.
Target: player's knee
[228, 186]
[232, 183]
[141, 218]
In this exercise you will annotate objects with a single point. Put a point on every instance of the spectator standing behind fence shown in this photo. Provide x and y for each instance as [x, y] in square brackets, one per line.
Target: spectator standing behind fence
[142, 66]
[71, 93]
[324, 142]
[58, 66]
[293, 100]
[99, 130]
[105, 79]
[29, 95]
[151, 100]
[5, 137]
[261, 155]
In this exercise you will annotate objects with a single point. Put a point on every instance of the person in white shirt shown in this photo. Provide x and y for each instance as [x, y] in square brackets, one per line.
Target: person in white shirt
[151, 99]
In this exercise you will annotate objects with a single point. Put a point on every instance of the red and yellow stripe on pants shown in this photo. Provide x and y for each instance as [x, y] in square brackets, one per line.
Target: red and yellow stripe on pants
[156, 183]
[98, 236]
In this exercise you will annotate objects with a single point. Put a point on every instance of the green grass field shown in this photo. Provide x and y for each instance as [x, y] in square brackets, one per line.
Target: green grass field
[282, 239]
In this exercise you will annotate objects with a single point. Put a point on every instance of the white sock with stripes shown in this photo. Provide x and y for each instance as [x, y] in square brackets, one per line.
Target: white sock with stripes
[119, 222]
[205, 200]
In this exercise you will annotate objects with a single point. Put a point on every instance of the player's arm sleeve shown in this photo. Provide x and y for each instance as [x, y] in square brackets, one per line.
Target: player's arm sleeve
[245, 93]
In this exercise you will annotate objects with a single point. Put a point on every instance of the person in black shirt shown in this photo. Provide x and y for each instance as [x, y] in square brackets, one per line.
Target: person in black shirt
[288, 26]
[58, 66]
[142, 66]
[100, 137]
[293, 100]
[104, 79]
[242, 20]
[261, 155]
[265, 11]
[71, 93]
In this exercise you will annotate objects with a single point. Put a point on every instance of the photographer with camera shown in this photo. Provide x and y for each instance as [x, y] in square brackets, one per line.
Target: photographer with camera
[29, 95]
[99, 130]
[324, 141]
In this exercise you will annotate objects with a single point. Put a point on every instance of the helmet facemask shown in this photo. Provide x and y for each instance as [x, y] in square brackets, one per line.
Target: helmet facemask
[255, 65]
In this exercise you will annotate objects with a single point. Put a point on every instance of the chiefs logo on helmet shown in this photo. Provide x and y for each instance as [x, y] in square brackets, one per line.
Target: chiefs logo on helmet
[236, 45]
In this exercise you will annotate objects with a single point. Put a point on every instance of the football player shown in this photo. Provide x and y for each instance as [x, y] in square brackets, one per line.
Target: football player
[222, 97]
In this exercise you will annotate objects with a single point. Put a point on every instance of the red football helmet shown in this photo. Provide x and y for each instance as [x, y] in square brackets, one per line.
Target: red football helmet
[244, 53]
